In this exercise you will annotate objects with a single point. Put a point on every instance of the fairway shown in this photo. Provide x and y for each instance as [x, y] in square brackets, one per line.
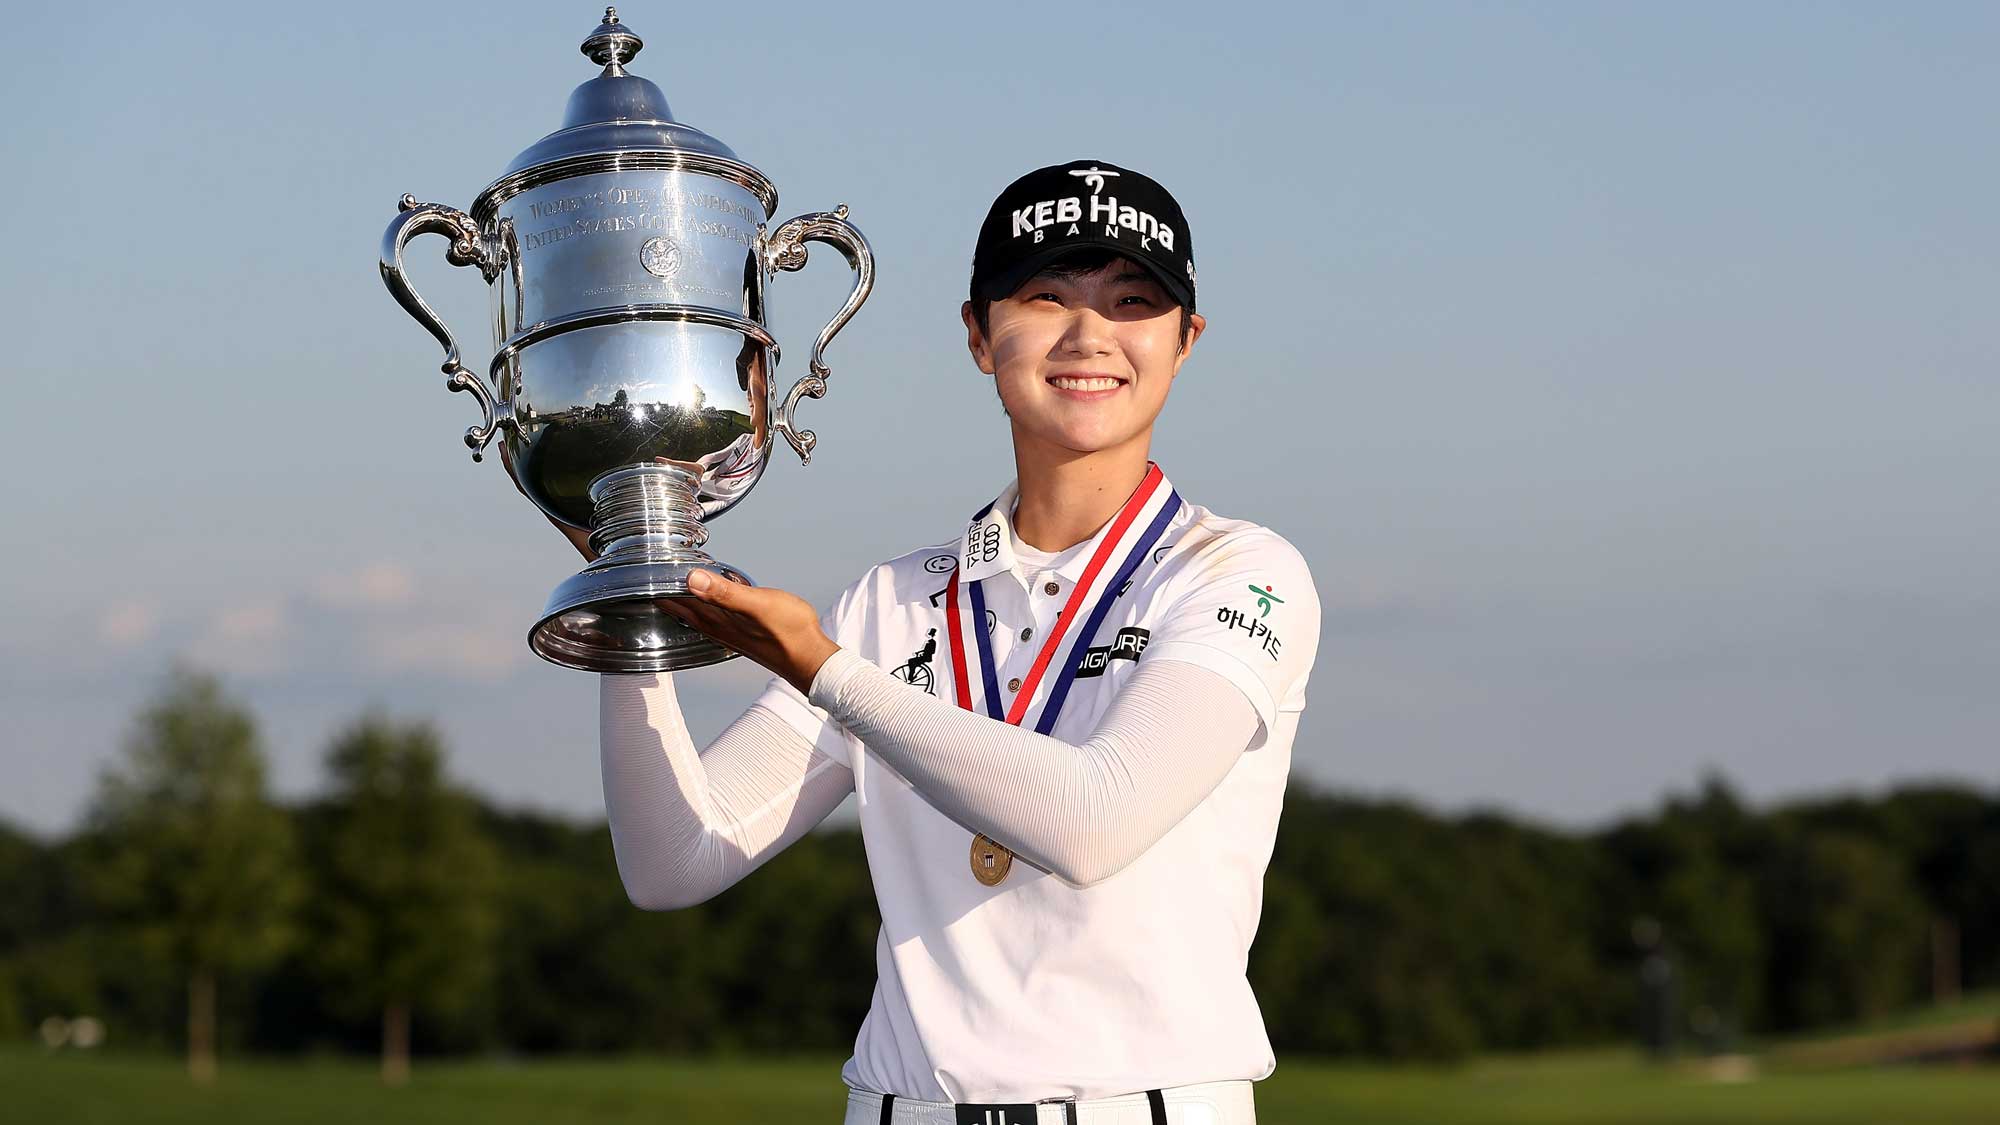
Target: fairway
[1597, 1087]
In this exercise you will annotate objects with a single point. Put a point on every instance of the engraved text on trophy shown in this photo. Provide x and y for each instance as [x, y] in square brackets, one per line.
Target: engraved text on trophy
[601, 240]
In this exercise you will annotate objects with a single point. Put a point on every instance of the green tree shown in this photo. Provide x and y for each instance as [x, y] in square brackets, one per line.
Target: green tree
[1693, 868]
[407, 915]
[12, 1023]
[184, 851]
[1849, 931]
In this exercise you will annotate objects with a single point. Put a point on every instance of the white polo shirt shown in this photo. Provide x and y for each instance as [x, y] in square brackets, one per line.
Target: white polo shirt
[1036, 988]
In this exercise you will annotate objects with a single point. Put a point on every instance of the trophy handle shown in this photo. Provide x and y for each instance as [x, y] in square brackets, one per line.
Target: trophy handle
[786, 250]
[467, 249]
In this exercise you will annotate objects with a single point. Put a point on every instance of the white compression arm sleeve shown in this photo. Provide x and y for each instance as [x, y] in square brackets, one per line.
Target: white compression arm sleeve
[1079, 812]
[686, 826]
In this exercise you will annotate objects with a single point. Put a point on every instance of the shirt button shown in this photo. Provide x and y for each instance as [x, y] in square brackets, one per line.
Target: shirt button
[1026, 633]
[1014, 684]
[1052, 589]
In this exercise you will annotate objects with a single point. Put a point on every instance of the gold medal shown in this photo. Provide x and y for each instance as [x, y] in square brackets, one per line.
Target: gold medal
[990, 860]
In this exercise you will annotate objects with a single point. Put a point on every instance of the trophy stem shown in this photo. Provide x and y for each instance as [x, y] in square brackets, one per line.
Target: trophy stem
[646, 527]
[646, 509]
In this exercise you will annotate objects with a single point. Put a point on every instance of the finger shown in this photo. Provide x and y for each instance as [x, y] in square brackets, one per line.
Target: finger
[711, 623]
[705, 617]
[709, 587]
[690, 609]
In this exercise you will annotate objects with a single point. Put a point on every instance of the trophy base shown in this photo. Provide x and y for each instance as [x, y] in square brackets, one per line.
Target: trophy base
[646, 527]
[609, 620]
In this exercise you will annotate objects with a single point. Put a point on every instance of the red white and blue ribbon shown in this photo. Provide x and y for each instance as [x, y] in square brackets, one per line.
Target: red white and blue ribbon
[1125, 544]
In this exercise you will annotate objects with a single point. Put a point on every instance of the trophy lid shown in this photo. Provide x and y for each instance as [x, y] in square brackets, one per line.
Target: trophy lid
[617, 112]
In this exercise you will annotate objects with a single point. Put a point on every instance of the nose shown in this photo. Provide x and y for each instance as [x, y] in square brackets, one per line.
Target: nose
[1088, 334]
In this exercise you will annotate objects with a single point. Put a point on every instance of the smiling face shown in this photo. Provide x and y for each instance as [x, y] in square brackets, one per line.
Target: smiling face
[1083, 359]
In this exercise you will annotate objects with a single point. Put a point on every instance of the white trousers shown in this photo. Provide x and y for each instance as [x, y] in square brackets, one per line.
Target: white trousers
[1204, 1103]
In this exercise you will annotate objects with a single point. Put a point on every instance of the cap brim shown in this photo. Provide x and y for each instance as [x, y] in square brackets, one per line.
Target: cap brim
[1000, 286]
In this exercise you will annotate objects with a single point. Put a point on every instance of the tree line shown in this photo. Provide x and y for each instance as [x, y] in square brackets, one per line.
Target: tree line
[399, 913]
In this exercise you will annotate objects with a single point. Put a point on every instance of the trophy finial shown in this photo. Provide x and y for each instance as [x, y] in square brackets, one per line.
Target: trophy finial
[613, 44]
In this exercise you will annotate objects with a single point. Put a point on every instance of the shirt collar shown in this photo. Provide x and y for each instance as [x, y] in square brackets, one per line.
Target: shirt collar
[988, 546]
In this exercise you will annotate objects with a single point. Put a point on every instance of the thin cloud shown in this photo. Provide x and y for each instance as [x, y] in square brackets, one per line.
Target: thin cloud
[458, 652]
[248, 640]
[128, 625]
[378, 586]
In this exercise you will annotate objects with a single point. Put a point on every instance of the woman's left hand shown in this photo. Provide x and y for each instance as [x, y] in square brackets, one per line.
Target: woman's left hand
[776, 629]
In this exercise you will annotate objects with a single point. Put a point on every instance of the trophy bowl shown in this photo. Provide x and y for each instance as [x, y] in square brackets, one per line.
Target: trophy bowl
[631, 388]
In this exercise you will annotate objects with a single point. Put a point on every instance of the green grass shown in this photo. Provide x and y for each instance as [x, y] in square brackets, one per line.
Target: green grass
[1966, 1028]
[1970, 1007]
[1607, 1087]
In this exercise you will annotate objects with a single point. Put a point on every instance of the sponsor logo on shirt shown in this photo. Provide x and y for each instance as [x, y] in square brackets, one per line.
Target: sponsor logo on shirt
[1252, 627]
[982, 543]
[1127, 645]
[916, 671]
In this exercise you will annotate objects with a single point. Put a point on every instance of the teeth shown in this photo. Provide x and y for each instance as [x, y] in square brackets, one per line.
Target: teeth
[1069, 383]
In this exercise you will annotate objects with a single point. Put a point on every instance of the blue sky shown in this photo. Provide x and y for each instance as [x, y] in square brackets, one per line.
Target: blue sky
[1627, 374]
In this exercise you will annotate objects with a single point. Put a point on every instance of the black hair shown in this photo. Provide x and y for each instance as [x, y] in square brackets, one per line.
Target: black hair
[1070, 267]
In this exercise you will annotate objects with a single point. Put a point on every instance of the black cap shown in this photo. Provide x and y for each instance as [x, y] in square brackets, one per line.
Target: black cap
[1082, 205]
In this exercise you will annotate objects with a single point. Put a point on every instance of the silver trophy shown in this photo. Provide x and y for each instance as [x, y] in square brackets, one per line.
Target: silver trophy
[627, 256]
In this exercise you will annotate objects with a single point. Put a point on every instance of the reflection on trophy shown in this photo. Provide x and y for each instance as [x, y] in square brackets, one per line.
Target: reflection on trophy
[627, 256]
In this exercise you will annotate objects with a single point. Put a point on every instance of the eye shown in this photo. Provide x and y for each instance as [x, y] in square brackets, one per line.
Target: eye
[1057, 298]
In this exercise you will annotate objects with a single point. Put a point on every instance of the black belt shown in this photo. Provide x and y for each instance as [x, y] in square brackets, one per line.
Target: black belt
[995, 1113]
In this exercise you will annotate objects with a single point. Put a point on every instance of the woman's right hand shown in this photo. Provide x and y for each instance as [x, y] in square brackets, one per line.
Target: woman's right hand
[579, 537]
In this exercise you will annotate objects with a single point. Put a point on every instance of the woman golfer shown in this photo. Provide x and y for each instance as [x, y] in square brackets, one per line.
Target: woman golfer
[1068, 723]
